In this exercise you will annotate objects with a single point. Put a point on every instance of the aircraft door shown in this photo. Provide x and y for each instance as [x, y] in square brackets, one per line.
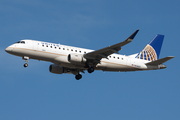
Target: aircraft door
[35, 45]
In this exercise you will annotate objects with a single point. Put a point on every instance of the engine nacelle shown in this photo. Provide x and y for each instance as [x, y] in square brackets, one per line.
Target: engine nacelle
[53, 68]
[76, 58]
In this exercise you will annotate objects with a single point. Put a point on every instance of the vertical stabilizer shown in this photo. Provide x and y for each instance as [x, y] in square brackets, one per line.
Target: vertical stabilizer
[152, 50]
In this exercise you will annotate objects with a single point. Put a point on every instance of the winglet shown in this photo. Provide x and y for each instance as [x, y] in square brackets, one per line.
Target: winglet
[130, 38]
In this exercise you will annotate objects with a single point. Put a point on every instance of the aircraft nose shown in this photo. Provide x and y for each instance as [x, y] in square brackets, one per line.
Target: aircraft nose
[8, 49]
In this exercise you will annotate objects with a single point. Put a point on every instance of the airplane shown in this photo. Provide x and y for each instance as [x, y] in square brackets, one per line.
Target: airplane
[75, 60]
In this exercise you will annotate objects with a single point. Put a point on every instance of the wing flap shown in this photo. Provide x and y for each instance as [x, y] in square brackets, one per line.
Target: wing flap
[160, 61]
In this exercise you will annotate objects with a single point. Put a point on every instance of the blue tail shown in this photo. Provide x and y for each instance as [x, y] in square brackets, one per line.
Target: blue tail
[152, 50]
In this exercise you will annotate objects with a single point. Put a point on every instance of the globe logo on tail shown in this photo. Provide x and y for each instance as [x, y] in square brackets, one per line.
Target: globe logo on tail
[148, 53]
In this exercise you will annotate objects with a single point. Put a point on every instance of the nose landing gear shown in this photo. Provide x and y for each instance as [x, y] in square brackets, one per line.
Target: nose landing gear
[26, 60]
[25, 65]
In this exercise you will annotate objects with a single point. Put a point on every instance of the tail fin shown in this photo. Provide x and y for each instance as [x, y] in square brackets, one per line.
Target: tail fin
[152, 50]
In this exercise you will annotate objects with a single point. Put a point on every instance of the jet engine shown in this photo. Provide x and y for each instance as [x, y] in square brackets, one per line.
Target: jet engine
[76, 58]
[53, 68]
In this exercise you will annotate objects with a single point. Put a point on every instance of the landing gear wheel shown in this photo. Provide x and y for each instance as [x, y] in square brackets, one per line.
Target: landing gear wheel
[78, 76]
[90, 70]
[26, 60]
[25, 65]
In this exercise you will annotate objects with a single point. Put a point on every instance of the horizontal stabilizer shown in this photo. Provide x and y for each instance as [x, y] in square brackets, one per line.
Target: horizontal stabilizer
[160, 61]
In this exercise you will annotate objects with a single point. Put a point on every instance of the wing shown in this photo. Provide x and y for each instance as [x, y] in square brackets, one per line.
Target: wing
[104, 52]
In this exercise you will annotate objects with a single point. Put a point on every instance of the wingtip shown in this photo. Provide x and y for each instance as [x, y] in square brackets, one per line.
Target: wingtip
[134, 34]
[171, 57]
[136, 31]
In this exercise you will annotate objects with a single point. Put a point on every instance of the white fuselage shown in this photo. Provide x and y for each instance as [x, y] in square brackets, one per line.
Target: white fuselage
[58, 54]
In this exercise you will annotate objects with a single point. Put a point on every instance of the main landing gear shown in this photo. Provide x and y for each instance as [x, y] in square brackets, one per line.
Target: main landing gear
[90, 69]
[78, 76]
[26, 60]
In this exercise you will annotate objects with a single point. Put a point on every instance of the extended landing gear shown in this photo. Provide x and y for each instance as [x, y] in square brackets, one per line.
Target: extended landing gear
[90, 70]
[25, 65]
[78, 76]
[26, 60]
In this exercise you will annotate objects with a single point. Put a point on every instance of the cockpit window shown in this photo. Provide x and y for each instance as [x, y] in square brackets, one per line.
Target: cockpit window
[23, 42]
[18, 42]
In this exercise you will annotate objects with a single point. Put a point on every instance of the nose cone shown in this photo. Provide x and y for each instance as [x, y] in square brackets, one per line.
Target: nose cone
[9, 49]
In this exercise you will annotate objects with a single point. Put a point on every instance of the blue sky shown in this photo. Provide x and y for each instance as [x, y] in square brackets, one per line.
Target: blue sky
[35, 93]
